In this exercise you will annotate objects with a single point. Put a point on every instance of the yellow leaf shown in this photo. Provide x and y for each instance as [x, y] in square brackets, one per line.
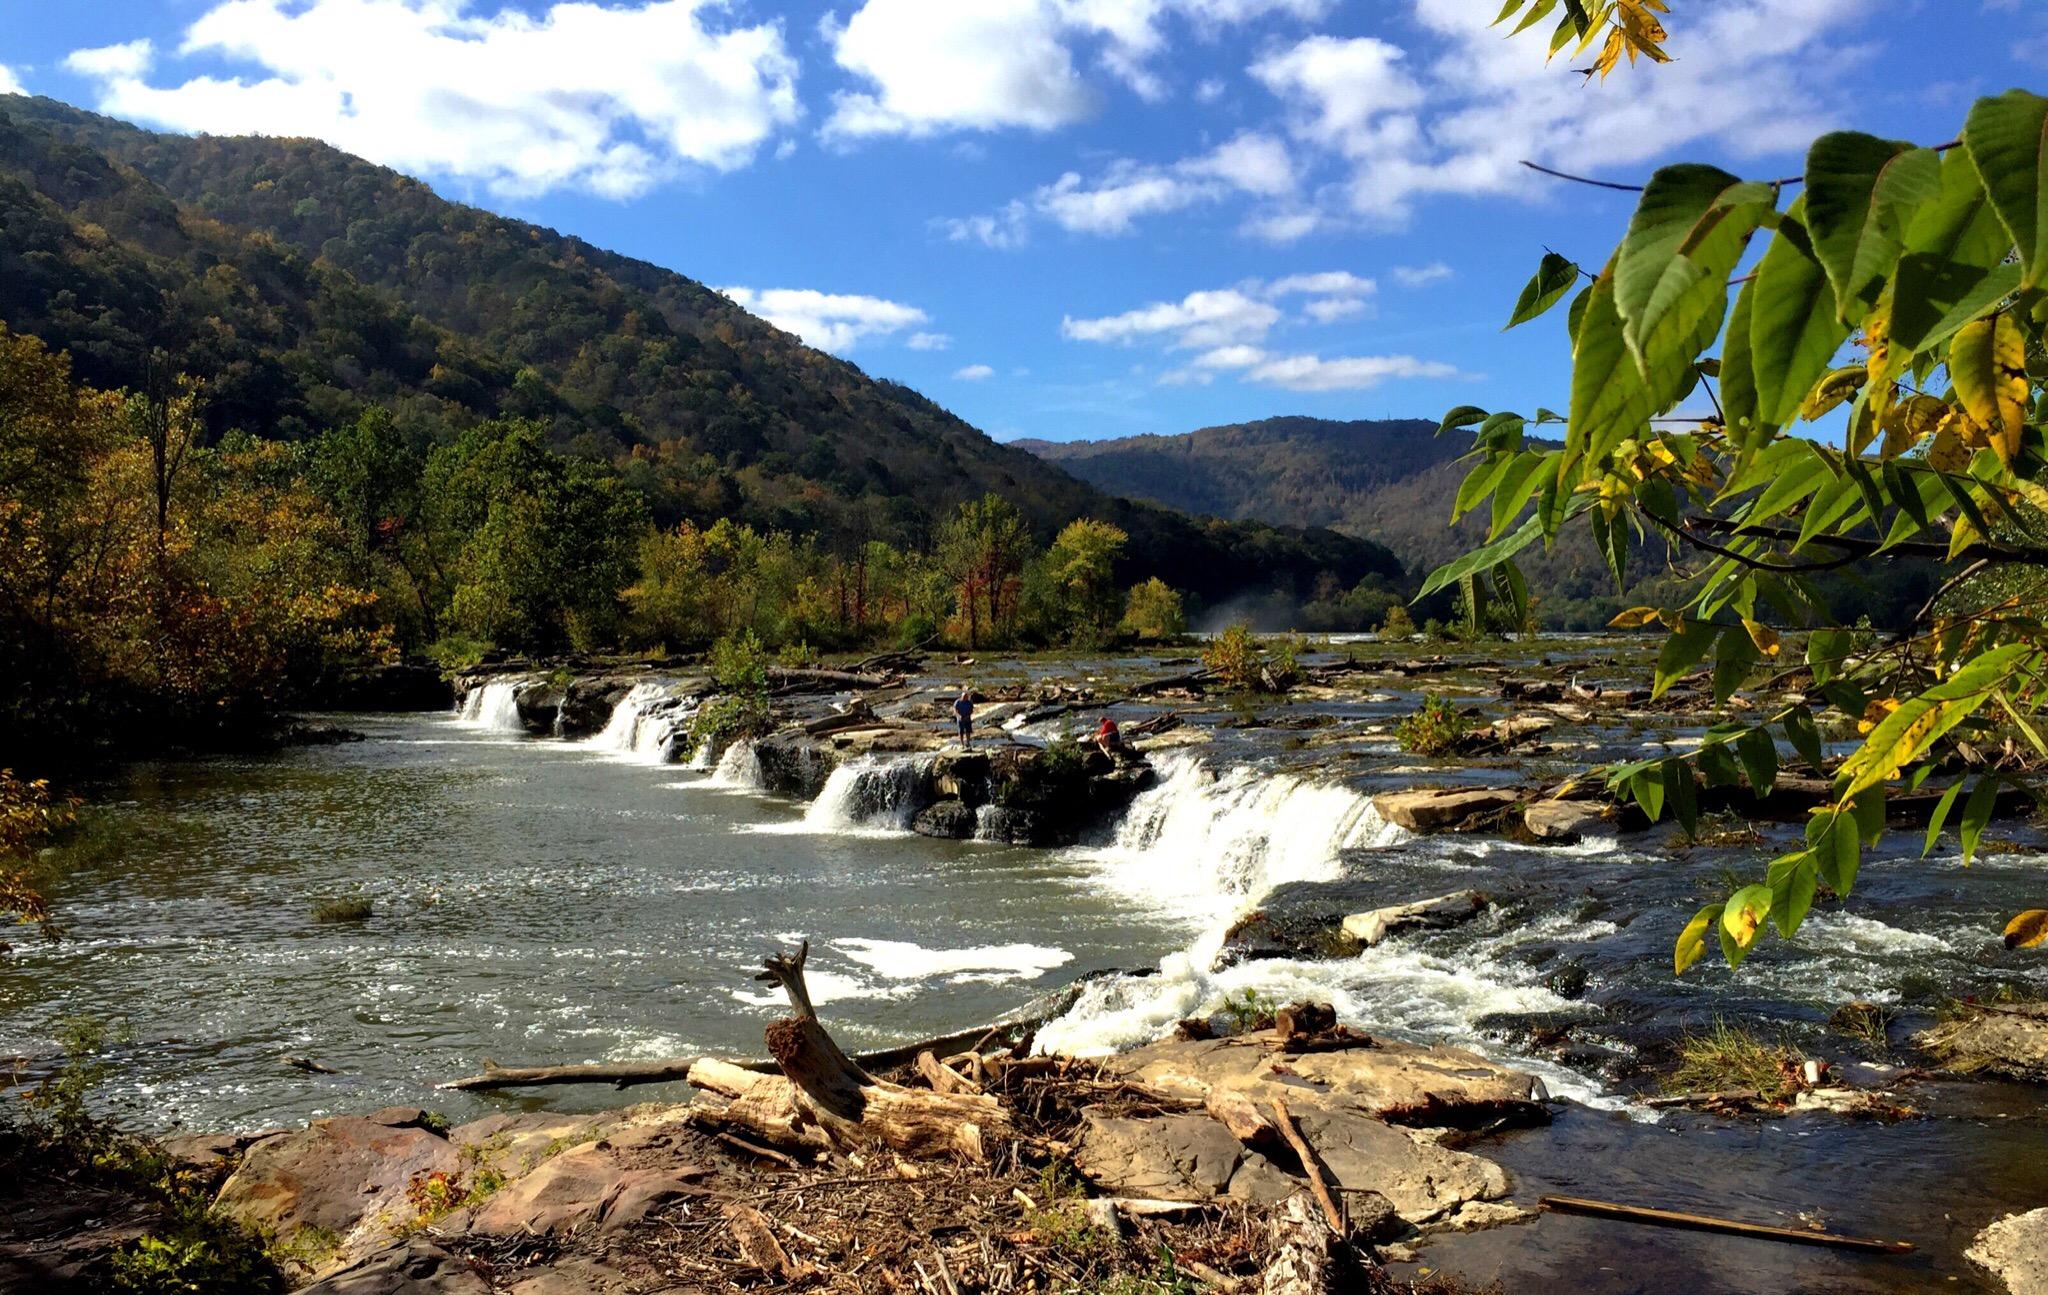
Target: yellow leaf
[1832, 390]
[1633, 618]
[1742, 920]
[2027, 931]
[1987, 361]
[1692, 941]
[1765, 638]
[1910, 422]
[1610, 53]
[1875, 713]
[1962, 536]
[1949, 453]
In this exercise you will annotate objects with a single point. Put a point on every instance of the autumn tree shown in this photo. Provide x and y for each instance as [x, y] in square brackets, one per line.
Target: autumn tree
[1153, 612]
[1080, 571]
[982, 548]
[1787, 389]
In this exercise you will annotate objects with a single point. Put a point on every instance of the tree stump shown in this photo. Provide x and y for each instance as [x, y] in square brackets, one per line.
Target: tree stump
[824, 1102]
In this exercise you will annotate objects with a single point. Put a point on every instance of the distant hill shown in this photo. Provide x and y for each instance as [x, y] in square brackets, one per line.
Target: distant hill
[1392, 481]
[304, 284]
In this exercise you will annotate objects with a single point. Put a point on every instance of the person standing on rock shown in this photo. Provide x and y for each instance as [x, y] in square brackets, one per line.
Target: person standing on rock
[963, 712]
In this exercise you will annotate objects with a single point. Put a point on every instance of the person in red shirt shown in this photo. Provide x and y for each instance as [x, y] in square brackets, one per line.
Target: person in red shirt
[1109, 737]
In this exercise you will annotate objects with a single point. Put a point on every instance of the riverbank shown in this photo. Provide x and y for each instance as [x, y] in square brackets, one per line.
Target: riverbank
[597, 898]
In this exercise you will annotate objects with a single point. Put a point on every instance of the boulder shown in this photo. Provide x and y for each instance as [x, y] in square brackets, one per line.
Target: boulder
[1563, 822]
[2008, 1039]
[1301, 919]
[345, 1176]
[585, 1187]
[949, 820]
[415, 1266]
[515, 1143]
[1015, 826]
[2016, 1249]
[1423, 915]
[1175, 1158]
[540, 708]
[1450, 810]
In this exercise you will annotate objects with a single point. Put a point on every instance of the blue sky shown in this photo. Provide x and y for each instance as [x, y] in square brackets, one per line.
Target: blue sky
[1060, 218]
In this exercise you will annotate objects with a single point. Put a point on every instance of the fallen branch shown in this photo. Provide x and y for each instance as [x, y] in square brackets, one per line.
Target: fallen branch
[1309, 1166]
[1708, 1223]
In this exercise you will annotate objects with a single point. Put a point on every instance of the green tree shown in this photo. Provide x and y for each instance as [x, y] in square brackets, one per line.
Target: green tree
[1901, 291]
[1152, 611]
[1081, 569]
[983, 548]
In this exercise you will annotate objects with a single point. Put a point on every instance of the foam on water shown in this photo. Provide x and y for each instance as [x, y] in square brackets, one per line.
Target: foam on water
[903, 960]
[739, 769]
[494, 707]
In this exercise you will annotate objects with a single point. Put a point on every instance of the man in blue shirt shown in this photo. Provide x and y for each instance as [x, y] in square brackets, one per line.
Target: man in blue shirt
[963, 711]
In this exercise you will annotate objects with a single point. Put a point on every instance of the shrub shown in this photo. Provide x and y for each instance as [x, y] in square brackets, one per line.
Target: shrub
[1236, 657]
[739, 666]
[1249, 1011]
[1398, 624]
[1434, 729]
[1058, 1219]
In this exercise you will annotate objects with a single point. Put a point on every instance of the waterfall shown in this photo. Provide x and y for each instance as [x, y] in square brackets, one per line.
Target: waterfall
[1207, 845]
[869, 793]
[739, 769]
[494, 707]
[645, 724]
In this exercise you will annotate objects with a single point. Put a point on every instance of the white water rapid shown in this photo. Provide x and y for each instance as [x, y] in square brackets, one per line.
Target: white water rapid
[868, 795]
[646, 724]
[494, 707]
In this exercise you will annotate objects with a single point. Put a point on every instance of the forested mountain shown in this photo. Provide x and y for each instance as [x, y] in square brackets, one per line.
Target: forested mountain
[1392, 481]
[304, 285]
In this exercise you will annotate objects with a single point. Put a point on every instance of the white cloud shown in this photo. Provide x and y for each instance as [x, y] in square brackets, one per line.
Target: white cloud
[1417, 276]
[9, 82]
[940, 65]
[974, 373]
[829, 321]
[128, 60]
[1344, 373]
[1284, 226]
[1005, 229]
[923, 67]
[1223, 317]
[928, 341]
[1459, 111]
[610, 98]
[1329, 283]
[1127, 191]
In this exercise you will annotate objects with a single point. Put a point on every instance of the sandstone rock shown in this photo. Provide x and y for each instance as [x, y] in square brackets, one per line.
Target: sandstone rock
[578, 1189]
[1175, 1158]
[949, 820]
[2016, 1249]
[1423, 915]
[411, 1267]
[345, 1176]
[1566, 821]
[1454, 810]
[2003, 1039]
[515, 1143]
[573, 1277]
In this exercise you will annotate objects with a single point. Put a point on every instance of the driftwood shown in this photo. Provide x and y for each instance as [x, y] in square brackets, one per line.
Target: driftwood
[1307, 1156]
[1708, 1223]
[1303, 1252]
[807, 680]
[826, 1102]
[1007, 1035]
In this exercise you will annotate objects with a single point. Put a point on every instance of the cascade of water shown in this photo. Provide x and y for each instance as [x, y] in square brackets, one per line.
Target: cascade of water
[868, 793]
[645, 723]
[1249, 829]
[739, 769]
[494, 707]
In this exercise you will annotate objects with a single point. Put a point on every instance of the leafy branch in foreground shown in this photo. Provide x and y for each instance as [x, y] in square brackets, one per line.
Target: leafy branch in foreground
[1876, 396]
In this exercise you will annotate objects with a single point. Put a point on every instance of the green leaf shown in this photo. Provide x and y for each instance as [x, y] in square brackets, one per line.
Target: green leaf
[1738, 372]
[1804, 736]
[1734, 657]
[1868, 811]
[1759, 756]
[1462, 416]
[1611, 538]
[1692, 941]
[1952, 263]
[1609, 401]
[1826, 651]
[1977, 814]
[1914, 726]
[1671, 274]
[1793, 880]
[1940, 816]
[1481, 558]
[1515, 486]
[1554, 277]
[1793, 331]
[1860, 192]
[1836, 851]
[2004, 138]
[1478, 484]
[1682, 793]
[1683, 650]
[1647, 786]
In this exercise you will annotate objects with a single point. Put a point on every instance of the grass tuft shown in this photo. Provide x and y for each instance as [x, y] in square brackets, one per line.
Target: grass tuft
[1730, 1058]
